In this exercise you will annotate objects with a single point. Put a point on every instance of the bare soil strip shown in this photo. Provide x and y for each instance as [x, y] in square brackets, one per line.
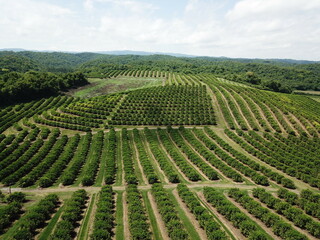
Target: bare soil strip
[235, 232]
[190, 216]
[160, 222]
[122, 188]
[125, 217]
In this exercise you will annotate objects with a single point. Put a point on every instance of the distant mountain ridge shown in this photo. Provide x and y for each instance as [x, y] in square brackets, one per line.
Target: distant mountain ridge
[144, 53]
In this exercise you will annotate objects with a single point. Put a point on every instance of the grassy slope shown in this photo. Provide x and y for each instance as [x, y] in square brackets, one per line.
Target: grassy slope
[104, 86]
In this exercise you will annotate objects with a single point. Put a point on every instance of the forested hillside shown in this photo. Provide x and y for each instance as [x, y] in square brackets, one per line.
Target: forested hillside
[276, 75]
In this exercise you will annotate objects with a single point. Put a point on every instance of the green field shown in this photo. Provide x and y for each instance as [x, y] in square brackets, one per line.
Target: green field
[101, 86]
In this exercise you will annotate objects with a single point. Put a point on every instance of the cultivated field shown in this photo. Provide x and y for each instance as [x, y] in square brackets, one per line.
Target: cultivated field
[194, 157]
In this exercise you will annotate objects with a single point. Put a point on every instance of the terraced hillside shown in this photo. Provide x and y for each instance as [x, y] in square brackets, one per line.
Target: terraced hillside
[197, 158]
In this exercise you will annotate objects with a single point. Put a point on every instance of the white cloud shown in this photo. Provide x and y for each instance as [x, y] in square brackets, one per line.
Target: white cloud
[249, 28]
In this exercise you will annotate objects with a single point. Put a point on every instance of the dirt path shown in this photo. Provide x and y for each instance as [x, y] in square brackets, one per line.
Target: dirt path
[125, 217]
[258, 221]
[201, 232]
[220, 118]
[234, 231]
[160, 222]
[123, 188]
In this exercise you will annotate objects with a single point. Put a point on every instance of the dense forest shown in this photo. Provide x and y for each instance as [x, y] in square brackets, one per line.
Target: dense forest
[26, 74]
[16, 86]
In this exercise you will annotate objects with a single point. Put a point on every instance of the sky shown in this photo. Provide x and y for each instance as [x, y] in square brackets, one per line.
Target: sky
[230, 28]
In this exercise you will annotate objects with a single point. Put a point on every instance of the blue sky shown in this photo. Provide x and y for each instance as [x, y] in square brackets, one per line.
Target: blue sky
[232, 28]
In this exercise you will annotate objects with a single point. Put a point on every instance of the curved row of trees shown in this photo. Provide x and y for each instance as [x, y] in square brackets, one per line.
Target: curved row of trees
[248, 227]
[36, 217]
[292, 213]
[270, 219]
[160, 157]
[251, 163]
[176, 156]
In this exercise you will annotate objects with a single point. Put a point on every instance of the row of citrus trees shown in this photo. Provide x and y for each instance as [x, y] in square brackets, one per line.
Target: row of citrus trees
[292, 165]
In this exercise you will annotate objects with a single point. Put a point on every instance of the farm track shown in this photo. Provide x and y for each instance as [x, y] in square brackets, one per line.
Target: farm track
[235, 232]
[123, 188]
[191, 217]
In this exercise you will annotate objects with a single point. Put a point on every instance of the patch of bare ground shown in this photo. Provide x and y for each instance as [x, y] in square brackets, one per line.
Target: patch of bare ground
[125, 217]
[234, 231]
[160, 222]
[190, 216]
[72, 91]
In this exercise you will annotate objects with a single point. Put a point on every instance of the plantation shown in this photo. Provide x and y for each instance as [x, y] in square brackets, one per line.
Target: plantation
[194, 157]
